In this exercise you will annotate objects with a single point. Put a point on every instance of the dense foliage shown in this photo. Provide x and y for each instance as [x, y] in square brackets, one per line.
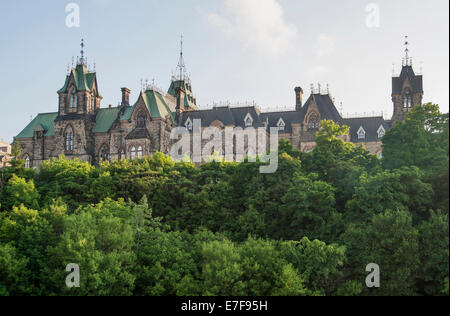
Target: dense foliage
[155, 227]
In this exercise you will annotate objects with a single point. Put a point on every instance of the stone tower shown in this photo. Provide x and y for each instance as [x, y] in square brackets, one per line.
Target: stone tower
[407, 89]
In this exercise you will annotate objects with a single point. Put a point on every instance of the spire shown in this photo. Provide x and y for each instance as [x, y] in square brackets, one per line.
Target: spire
[181, 66]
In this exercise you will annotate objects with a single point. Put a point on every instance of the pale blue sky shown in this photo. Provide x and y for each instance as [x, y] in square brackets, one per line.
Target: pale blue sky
[235, 50]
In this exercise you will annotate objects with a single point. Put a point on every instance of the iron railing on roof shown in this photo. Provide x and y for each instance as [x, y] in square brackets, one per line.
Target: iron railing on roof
[362, 115]
[226, 104]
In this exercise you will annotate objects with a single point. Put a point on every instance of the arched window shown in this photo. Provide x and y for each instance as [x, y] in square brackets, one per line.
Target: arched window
[122, 154]
[407, 101]
[104, 153]
[68, 139]
[313, 121]
[92, 101]
[140, 152]
[141, 119]
[27, 161]
[73, 99]
[133, 153]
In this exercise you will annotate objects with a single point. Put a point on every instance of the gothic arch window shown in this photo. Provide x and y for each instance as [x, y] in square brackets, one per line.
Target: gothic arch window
[313, 121]
[140, 152]
[407, 99]
[141, 119]
[92, 100]
[27, 161]
[68, 139]
[104, 153]
[73, 99]
[122, 154]
[133, 153]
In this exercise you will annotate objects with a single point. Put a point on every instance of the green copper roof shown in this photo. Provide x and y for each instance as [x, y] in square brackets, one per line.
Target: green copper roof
[105, 119]
[156, 104]
[127, 113]
[84, 80]
[46, 121]
[189, 99]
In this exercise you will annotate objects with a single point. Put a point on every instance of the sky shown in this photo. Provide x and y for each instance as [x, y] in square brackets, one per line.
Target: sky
[235, 50]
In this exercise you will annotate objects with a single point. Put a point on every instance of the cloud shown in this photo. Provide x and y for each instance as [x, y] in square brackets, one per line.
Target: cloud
[258, 24]
[324, 46]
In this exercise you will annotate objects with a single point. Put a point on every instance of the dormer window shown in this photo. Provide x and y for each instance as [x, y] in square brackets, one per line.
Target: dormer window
[281, 125]
[381, 132]
[73, 99]
[248, 120]
[361, 133]
[189, 124]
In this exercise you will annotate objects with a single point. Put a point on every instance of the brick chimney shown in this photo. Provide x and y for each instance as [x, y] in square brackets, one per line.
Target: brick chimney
[126, 97]
[298, 98]
[180, 93]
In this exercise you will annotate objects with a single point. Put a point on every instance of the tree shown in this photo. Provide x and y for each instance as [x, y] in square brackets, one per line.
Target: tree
[306, 210]
[391, 241]
[20, 191]
[434, 254]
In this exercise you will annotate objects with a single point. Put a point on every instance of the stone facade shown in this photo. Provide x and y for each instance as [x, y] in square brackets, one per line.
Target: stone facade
[83, 129]
[5, 154]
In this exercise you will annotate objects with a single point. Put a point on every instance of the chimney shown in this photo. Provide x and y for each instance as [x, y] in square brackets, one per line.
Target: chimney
[298, 98]
[126, 97]
[180, 93]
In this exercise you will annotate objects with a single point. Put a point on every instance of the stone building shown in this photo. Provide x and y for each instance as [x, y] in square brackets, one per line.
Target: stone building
[82, 129]
[5, 154]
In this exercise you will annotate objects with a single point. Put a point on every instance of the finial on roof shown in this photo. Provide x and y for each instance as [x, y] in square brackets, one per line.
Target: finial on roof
[320, 88]
[312, 88]
[406, 50]
[82, 52]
